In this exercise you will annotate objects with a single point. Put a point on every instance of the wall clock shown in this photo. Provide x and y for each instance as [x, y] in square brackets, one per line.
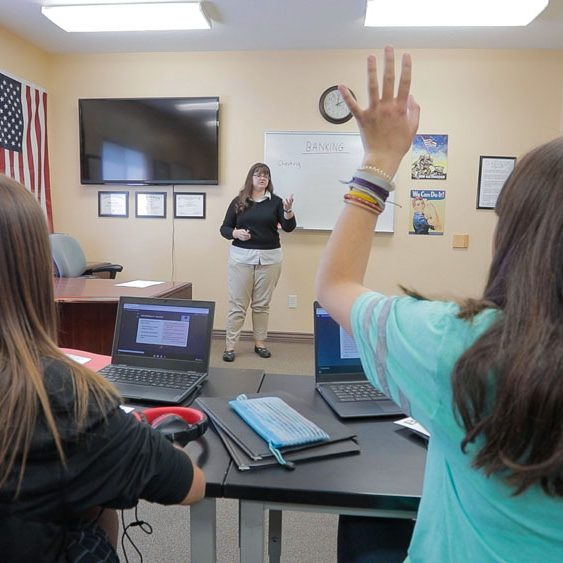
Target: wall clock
[332, 106]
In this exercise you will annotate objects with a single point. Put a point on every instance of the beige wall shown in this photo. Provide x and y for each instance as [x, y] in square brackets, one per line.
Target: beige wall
[488, 102]
[21, 59]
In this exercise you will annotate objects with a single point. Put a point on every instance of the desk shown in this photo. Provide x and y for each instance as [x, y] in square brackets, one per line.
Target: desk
[88, 307]
[384, 480]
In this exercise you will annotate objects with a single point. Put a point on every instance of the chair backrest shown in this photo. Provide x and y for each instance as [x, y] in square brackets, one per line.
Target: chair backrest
[67, 255]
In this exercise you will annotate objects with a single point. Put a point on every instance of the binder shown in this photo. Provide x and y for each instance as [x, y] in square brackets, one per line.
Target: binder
[249, 450]
[325, 450]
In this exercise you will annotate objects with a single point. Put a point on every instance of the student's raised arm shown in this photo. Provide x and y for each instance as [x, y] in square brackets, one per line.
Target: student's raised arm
[387, 127]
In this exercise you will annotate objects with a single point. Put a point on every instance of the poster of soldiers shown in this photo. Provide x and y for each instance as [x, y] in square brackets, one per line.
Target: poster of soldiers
[429, 157]
[428, 209]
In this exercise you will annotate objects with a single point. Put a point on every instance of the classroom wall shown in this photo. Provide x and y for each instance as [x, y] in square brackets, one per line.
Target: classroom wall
[490, 102]
[21, 59]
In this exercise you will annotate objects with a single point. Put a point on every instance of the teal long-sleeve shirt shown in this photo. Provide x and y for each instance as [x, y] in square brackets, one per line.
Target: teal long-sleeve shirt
[409, 348]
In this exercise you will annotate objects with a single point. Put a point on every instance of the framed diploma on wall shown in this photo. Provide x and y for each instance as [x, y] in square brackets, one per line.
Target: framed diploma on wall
[189, 205]
[113, 204]
[150, 204]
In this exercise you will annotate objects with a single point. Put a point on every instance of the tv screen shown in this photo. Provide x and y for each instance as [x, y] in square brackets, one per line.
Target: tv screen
[149, 141]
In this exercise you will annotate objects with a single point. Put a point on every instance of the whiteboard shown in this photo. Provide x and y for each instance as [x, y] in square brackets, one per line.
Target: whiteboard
[310, 165]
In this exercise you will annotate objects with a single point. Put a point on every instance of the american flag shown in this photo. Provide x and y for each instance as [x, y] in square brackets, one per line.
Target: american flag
[429, 143]
[23, 138]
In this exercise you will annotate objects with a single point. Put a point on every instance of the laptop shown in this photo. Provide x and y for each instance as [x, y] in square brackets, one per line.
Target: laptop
[161, 348]
[339, 376]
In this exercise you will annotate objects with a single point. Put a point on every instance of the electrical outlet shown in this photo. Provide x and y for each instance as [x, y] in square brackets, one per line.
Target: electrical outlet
[292, 301]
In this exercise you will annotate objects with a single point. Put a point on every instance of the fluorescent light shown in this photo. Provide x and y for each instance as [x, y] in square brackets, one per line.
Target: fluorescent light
[128, 17]
[452, 13]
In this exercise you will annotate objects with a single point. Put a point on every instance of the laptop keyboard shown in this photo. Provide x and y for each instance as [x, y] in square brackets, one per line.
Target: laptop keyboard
[141, 376]
[352, 392]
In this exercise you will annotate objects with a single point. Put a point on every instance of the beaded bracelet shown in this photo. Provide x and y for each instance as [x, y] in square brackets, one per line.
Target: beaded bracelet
[378, 171]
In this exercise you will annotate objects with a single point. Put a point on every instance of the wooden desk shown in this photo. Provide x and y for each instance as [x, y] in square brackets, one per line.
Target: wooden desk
[88, 307]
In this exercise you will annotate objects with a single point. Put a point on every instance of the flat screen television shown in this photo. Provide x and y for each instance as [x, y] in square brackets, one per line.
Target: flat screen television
[154, 141]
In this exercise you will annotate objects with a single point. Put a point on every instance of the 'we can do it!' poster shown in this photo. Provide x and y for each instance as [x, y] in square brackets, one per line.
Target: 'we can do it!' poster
[428, 212]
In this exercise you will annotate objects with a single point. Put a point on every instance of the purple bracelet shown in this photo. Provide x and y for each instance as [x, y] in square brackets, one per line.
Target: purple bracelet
[378, 190]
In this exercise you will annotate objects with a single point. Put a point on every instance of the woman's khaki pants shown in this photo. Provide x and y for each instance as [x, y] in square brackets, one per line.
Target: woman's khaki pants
[250, 284]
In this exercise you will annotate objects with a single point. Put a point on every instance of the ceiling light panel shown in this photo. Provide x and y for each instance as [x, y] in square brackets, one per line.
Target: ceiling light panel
[452, 13]
[128, 17]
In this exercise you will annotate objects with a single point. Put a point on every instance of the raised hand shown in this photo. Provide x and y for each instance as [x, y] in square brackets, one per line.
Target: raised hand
[389, 123]
[288, 204]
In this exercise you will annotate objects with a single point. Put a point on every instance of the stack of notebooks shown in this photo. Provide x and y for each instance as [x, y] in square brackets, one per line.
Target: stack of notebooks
[249, 450]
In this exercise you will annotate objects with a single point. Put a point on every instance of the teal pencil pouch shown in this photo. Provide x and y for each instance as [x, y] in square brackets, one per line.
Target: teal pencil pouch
[277, 423]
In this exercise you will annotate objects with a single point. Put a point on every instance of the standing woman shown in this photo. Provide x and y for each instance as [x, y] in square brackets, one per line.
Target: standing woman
[69, 455]
[255, 258]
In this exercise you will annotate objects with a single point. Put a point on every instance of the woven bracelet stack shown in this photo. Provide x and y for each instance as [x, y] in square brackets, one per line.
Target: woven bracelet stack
[369, 188]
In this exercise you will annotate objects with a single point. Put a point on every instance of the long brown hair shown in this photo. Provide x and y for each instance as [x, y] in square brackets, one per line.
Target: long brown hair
[245, 194]
[28, 332]
[508, 387]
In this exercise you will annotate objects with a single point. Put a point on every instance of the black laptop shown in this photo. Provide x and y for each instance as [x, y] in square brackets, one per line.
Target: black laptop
[161, 348]
[339, 376]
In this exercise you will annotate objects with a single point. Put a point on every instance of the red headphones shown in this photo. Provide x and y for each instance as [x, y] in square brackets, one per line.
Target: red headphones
[178, 424]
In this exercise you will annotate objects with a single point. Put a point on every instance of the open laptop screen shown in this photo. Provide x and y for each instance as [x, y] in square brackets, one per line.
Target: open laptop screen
[336, 354]
[163, 331]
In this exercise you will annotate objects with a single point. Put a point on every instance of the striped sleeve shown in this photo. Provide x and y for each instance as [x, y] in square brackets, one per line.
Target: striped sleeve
[400, 341]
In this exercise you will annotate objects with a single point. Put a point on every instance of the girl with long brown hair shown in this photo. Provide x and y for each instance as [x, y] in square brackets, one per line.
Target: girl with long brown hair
[68, 453]
[485, 377]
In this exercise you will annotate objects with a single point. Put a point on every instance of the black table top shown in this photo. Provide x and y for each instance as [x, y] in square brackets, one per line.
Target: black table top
[387, 474]
[208, 452]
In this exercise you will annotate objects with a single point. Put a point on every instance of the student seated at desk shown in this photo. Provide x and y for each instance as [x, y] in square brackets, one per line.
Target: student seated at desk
[485, 377]
[69, 455]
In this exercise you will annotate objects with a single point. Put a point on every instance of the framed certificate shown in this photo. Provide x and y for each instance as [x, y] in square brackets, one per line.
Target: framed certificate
[189, 205]
[150, 204]
[493, 173]
[113, 204]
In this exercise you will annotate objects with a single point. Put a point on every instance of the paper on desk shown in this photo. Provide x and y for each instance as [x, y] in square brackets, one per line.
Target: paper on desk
[138, 283]
[126, 409]
[413, 425]
[79, 359]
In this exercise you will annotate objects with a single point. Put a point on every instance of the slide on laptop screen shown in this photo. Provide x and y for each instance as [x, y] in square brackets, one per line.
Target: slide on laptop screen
[161, 348]
[339, 376]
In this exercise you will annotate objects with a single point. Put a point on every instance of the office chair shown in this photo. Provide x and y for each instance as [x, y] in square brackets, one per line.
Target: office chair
[70, 262]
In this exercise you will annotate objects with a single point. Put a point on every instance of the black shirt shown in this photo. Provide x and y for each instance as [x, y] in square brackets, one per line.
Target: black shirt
[261, 219]
[112, 462]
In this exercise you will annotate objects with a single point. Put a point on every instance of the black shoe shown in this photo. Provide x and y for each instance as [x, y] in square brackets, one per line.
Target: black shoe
[229, 356]
[262, 352]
